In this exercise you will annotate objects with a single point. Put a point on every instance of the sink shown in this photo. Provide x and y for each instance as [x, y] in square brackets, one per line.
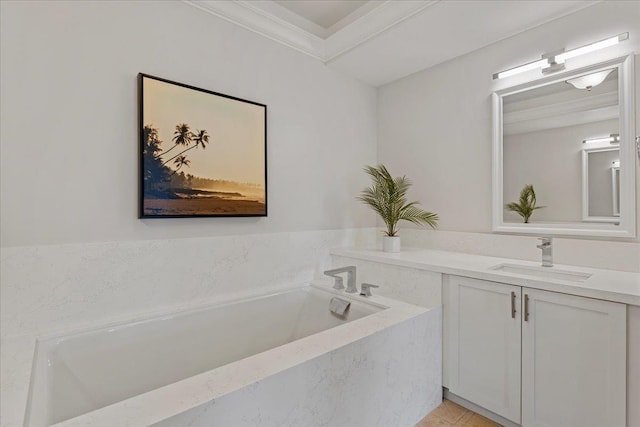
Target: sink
[542, 272]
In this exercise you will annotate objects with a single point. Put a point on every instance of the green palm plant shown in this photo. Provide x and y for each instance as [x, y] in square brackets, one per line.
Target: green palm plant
[387, 196]
[526, 205]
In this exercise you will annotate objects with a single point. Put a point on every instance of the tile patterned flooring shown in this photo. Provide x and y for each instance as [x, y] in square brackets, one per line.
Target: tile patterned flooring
[448, 414]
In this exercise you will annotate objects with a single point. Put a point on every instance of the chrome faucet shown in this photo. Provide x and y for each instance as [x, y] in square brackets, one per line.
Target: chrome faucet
[366, 289]
[547, 253]
[351, 278]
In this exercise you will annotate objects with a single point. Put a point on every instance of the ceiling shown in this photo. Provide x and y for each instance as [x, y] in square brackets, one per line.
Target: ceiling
[379, 41]
[322, 12]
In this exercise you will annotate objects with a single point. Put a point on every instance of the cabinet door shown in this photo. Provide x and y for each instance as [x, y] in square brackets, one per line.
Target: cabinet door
[573, 361]
[484, 344]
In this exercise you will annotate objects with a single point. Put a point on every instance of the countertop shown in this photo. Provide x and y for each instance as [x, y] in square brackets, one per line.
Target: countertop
[610, 285]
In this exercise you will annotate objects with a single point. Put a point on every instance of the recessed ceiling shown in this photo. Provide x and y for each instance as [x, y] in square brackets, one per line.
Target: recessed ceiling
[379, 41]
[323, 12]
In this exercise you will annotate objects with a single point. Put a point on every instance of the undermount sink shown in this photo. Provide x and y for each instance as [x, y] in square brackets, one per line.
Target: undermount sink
[543, 272]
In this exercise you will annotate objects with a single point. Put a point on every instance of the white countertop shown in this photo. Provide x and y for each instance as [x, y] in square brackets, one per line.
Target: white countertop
[610, 285]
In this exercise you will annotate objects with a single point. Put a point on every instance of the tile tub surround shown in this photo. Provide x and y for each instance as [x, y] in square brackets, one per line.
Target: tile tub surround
[56, 289]
[611, 285]
[382, 369]
[411, 285]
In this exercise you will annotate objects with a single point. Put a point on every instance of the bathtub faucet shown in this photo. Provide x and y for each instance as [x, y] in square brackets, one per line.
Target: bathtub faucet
[351, 278]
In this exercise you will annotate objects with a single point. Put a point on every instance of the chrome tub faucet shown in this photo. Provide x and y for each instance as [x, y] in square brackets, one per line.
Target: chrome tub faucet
[547, 251]
[351, 278]
[366, 289]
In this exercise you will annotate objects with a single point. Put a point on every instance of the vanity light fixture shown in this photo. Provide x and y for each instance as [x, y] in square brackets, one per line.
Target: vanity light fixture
[522, 68]
[611, 41]
[553, 62]
[613, 138]
[589, 81]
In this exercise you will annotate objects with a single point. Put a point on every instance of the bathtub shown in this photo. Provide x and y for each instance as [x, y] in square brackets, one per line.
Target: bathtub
[276, 359]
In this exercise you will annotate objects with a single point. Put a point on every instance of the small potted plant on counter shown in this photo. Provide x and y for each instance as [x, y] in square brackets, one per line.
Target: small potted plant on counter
[387, 196]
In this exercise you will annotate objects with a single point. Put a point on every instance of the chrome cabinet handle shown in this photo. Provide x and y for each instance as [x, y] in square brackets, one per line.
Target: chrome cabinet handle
[513, 305]
[526, 307]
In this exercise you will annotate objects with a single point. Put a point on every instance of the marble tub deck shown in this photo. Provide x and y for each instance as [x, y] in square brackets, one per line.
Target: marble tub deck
[369, 349]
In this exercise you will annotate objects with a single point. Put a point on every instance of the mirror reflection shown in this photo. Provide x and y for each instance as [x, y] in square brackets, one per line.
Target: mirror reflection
[601, 184]
[562, 139]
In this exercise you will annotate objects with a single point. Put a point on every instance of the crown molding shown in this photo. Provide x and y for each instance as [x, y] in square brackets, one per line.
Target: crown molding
[258, 19]
[242, 13]
[272, 7]
[376, 21]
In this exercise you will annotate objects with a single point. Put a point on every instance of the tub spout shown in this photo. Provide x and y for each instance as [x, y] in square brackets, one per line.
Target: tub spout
[339, 306]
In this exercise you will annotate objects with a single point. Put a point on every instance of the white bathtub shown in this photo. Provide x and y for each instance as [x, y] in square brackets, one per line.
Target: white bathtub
[230, 365]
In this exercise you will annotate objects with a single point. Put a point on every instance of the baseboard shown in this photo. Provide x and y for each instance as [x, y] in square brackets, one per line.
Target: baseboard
[477, 409]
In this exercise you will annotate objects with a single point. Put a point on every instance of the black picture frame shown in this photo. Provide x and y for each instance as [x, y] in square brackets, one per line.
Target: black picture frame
[162, 194]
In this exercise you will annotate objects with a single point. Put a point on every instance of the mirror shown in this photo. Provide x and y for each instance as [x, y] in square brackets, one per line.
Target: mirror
[568, 140]
[601, 184]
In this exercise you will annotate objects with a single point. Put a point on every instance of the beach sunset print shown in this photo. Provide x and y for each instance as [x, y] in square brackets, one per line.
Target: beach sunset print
[202, 153]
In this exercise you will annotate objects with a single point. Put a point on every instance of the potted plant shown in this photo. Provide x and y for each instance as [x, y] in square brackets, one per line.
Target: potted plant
[526, 205]
[387, 196]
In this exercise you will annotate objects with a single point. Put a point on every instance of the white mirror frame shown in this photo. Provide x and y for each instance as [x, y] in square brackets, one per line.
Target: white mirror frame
[585, 185]
[627, 225]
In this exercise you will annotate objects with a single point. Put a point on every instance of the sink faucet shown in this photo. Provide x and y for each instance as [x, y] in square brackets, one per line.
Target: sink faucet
[547, 254]
[351, 278]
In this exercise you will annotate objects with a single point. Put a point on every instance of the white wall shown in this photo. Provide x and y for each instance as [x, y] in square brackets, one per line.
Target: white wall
[435, 125]
[69, 167]
[74, 253]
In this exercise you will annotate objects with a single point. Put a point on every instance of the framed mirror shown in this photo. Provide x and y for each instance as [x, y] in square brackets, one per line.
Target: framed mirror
[564, 153]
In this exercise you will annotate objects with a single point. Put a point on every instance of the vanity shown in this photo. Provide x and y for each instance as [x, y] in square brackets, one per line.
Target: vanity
[523, 344]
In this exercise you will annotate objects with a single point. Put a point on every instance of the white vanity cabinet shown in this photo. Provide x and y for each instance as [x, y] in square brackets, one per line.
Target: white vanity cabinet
[559, 360]
[573, 361]
[484, 344]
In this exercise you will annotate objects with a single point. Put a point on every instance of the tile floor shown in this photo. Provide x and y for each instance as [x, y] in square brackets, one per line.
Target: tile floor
[448, 414]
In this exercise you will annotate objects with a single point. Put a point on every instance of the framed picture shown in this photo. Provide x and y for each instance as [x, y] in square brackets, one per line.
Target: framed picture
[202, 153]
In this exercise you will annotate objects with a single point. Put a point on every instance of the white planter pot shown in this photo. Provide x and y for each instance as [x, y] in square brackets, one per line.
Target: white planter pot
[391, 244]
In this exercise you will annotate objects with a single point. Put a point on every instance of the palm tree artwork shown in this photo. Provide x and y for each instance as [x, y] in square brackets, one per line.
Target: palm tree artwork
[201, 153]
[180, 161]
[157, 174]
